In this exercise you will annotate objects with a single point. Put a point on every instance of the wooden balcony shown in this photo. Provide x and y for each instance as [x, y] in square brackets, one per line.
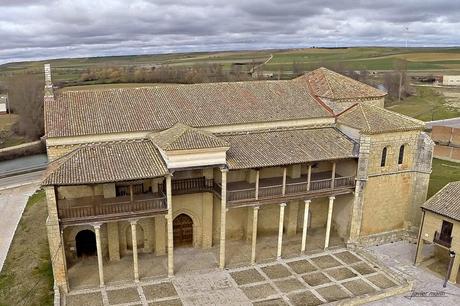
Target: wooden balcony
[93, 209]
[272, 188]
[269, 188]
[442, 240]
[190, 185]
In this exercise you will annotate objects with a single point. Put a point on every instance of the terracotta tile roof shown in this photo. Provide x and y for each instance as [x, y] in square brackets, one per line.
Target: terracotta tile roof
[373, 120]
[183, 137]
[328, 84]
[446, 202]
[107, 162]
[160, 107]
[267, 149]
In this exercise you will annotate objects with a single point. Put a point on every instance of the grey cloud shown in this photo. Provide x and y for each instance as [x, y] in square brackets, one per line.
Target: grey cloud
[31, 29]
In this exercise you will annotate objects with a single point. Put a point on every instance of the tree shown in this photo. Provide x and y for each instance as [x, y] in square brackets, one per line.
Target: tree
[25, 95]
[400, 66]
[297, 69]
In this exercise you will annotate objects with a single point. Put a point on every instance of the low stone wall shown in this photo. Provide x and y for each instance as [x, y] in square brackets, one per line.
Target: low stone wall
[447, 141]
[25, 149]
[388, 237]
[447, 153]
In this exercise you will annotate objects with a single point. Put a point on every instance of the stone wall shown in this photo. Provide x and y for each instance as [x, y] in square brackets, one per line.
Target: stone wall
[393, 193]
[447, 141]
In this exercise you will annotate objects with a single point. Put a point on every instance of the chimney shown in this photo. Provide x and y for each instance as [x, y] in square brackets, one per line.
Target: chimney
[48, 83]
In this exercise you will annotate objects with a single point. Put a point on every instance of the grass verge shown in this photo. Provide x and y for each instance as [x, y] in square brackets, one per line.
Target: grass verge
[27, 276]
[443, 172]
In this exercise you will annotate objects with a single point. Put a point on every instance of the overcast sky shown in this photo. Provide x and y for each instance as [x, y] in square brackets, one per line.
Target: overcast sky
[39, 29]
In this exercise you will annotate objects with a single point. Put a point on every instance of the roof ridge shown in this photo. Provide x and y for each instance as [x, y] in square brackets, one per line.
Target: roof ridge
[156, 85]
[323, 69]
[364, 115]
[398, 114]
[311, 93]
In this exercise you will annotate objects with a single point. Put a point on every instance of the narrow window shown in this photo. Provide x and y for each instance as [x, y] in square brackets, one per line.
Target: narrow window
[401, 155]
[384, 157]
[446, 229]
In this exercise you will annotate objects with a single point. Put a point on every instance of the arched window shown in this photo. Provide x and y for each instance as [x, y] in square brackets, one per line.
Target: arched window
[384, 157]
[401, 155]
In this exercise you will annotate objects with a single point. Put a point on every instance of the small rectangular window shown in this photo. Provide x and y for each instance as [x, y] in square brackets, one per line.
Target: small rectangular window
[401, 155]
[384, 157]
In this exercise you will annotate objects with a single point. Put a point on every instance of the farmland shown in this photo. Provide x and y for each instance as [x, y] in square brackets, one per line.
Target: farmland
[420, 60]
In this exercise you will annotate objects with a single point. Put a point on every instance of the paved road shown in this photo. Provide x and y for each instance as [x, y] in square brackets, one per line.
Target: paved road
[14, 192]
[454, 122]
[19, 180]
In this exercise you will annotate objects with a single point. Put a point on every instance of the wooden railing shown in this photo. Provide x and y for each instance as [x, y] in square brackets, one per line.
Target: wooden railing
[291, 189]
[321, 184]
[190, 185]
[241, 194]
[270, 191]
[98, 207]
[345, 181]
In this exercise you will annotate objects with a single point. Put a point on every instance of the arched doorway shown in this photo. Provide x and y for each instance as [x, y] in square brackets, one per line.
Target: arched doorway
[183, 230]
[86, 243]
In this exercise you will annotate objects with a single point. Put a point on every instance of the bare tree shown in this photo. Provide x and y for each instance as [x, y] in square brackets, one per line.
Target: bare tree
[25, 94]
[297, 68]
[400, 66]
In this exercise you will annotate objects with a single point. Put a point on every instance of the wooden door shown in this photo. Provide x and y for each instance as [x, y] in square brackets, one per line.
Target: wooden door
[183, 230]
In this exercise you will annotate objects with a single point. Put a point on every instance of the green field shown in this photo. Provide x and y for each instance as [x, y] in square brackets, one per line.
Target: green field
[427, 104]
[443, 172]
[27, 276]
[433, 60]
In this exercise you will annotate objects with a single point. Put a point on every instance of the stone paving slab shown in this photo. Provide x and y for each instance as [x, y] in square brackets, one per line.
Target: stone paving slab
[213, 288]
[333, 276]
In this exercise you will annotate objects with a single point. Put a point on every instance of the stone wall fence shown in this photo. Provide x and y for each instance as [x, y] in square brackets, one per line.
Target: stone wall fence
[447, 141]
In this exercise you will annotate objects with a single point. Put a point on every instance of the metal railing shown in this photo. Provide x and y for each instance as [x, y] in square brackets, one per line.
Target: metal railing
[443, 240]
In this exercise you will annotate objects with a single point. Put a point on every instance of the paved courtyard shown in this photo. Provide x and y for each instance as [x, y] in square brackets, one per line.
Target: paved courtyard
[336, 275]
[427, 288]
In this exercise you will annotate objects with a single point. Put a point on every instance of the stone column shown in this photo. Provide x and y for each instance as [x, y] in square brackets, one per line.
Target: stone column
[254, 233]
[257, 183]
[160, 241]
[419, 254]
[223, 216]
[170, 226]
[113, 241]
[284, 180]
[280, 230]
[455, 267]
[135, 255]
[249, 219]
[100, 265]
[305, 226]
[420, 243]
[329, 222]
[309, 178]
